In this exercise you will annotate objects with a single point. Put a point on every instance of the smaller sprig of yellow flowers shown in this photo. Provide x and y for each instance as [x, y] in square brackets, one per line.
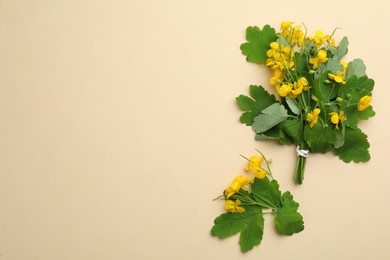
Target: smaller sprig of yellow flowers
[255, 166]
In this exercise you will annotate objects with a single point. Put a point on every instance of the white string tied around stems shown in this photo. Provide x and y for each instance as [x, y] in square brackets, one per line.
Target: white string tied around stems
[302, 153]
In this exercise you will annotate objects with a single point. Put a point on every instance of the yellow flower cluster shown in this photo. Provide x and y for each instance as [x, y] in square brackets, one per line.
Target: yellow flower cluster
[294, 35]
[293, 89]
[281, 60]
[254, 165]
[280, 57]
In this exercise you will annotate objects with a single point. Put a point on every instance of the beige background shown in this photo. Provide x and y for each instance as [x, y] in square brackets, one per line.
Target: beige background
[118, 127]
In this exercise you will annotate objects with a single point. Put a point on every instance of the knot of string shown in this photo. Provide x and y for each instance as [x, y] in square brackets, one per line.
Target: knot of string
[302, 153]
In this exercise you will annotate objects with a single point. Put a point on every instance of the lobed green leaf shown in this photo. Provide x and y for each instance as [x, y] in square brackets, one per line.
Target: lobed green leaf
[258, 42]
[260, 99]
[288, 220]
[250, 223]
[355, 146]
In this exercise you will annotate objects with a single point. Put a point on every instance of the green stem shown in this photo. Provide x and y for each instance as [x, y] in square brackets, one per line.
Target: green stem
[301, 161]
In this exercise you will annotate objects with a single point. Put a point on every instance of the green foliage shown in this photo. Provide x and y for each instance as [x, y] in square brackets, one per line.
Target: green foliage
[355, 147]
[320, 138]
[288, 220]
[263, 194]
[269, 117]
[259, 100]
[332, 89]
[250, 224]
[341, 50]
[292, 104]
[356, 68]
[292, 128]
[266, 192]
[257, 44]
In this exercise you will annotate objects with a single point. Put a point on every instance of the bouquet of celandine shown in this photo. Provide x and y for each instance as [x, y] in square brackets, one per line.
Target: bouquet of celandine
[321, 97]
[247, 199]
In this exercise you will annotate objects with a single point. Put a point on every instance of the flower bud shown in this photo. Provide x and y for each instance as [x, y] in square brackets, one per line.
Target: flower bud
[314, 98]
[339, 99]
[327, 81]
[348, 95]
[269, 160]
[312, 71]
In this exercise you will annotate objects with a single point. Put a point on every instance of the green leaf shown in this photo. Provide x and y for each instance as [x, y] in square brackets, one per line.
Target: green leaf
[275, 133]
[293, 129]
[356, 68]
[258, 42]
[340, 136]
[354, 115]
[320, 139]
[261, 99]
[341, 50]
[333, 66]
[288, 220]
[324, 91]
[292, 104]
[355, 146]
[250, 223]
[269, 117]
[356, 88]
[266, 192]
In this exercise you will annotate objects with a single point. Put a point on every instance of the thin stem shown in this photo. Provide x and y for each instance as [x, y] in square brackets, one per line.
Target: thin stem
[266, 161]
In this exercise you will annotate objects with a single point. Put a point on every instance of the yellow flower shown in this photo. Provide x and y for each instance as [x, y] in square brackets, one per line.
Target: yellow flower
[364, 102]
[301, 85]
[320, 39]
[302, 81]
[337, 118]
[345, 66]
[285, 89]
[298, 35]
[232, 206]
[321, 58]
[340, 75]
[312, 117]
[285, 25]
[254, 165]
[277, 78]
[236, 185]
[260, 173]
[280, 57]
